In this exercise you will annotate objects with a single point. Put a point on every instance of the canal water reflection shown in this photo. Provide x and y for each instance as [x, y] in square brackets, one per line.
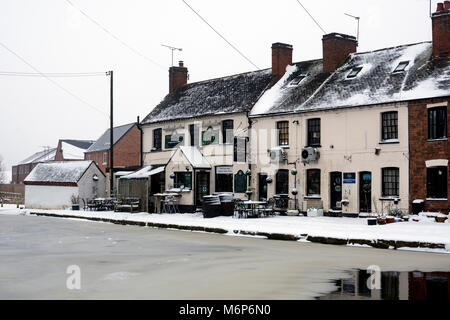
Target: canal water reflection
[392, 285]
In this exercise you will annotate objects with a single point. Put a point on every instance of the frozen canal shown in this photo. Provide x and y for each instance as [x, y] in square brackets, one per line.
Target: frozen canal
[127, 262]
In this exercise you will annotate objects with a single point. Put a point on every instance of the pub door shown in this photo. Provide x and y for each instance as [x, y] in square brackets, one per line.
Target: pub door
[335, 190]
[201, 186]
[365, 191]
[262, 187]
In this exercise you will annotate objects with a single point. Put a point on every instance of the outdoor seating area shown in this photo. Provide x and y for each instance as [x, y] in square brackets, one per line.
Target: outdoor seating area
[128, 204]
[99, 204]
[167, 202]
[254, 209]
[112, 204]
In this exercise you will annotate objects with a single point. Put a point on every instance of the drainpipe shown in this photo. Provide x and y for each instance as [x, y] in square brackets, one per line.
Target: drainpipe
[249, 150]
[139, 126]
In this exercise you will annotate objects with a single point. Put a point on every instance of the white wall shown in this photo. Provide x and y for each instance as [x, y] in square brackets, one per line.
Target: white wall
[49, 197]
[349, 138]
[88, 187]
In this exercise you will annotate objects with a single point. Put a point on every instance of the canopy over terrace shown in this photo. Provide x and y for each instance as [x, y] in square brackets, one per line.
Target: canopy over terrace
[142, 184]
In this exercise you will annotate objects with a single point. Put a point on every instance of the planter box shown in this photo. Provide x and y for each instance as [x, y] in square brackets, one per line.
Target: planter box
[440, 219]
[76, 207]
[390, 220]
[372, 222]
[381, 220]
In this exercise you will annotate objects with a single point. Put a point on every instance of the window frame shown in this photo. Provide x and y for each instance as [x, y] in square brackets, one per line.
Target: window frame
[178, 181]
[282, 184]
[283, 133]
[220, 187]
[433, 127]
[354, 72]
[433, 193]
[390, 182]
[105, 157]
[401, 67]
[227, 138]
[157, 145]
[391, 132]
[309, 182]
[313, 123]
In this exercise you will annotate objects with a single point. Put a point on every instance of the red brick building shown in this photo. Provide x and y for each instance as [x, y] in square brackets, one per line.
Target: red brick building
[127, 148]
[428, 130]
[21, 170]
[72, 149]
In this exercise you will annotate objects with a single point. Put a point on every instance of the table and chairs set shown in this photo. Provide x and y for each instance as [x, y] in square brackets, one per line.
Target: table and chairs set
[112, 204]
[253, 209]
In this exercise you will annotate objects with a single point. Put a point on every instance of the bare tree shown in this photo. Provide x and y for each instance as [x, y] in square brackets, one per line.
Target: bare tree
[3, 176]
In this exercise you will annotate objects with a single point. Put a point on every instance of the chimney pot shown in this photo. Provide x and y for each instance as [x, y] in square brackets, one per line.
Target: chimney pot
[177, 76]
[281, 58]
[336, 47]
[441, 30]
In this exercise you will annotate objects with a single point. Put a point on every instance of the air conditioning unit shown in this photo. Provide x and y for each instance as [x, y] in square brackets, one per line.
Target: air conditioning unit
[310, 154]
[278, 155]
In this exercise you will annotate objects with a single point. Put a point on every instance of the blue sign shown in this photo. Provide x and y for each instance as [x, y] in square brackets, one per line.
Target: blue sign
[349, 177]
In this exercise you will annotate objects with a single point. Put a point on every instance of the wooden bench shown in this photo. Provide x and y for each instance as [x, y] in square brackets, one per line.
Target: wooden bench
[128, 204]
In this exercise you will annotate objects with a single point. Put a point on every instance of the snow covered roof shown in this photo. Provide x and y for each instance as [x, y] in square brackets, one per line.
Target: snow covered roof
[103, 142]
[225, 95]
[375, 83]
[144, 172]
[58, 171]
[74, 149]
[195, 157]
[41, 156]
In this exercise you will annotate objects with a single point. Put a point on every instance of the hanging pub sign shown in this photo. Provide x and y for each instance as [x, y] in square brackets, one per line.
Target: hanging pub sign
[349, 177]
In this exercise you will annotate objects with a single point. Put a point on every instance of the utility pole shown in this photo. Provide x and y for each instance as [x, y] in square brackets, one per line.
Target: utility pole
[111, 137]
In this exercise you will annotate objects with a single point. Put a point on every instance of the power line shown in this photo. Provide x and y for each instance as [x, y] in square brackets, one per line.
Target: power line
[51, 80]
[52, 75]
[114, 36]
[220, 35]
[311, 16]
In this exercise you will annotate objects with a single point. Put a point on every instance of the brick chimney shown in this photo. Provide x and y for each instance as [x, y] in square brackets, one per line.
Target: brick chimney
[441, 30]
[281, 58]
[336, 47]
[177, 77]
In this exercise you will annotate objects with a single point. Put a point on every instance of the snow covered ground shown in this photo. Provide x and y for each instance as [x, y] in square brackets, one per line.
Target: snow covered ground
[425, 230]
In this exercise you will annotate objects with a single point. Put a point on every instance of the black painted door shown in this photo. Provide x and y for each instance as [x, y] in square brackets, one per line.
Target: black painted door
[335, 190]
[201, 187]
[262, 186]
[365, 191]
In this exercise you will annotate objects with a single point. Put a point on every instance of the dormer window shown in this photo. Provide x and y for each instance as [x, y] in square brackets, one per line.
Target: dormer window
[354, 72]
[401, 66]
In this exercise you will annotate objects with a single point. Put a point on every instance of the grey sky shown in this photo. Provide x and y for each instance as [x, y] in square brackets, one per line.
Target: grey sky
[55, 37]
